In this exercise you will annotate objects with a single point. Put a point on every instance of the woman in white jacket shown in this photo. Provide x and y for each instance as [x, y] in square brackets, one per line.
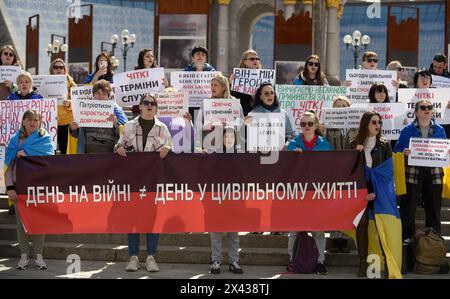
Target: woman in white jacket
[145, 133]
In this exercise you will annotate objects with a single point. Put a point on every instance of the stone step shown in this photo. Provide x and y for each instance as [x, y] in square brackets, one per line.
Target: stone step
[172, 254]
[3, 202]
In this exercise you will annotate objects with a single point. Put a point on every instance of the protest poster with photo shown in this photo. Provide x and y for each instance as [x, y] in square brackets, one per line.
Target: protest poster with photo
[440, 81]
[296, 99]
[9, 73]
[221, 111]
[172, 104]
[266, 132]
[437, 96]
[93, 113]
[287, 71]
[196, 84]
[362, 80]
[131, 86]
[2, 173]
[429, 152]
[248, 80]
[51, 86]
[11, 113]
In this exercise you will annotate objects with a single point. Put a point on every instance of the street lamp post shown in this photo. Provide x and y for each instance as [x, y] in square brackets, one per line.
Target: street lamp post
[128, 41]
[103, 49]
[355, 40]
[56, 47]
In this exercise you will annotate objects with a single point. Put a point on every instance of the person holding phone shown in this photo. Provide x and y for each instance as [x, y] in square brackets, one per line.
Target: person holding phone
[103, 70]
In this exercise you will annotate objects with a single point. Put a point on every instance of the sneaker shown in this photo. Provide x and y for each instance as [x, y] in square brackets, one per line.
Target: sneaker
[215, 267]
[133, 264]
[151, 265]
[23, 262]
[235, 268]
[321, 269]
[39, 262]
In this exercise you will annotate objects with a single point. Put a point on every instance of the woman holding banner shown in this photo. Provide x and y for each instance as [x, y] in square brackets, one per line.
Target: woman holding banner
[8, 57]
[145, 133]
[425, 181]
[65, 116]
[310, 140]
[103, 70]
[30, 140]
[312, 73]
[146, 60]
[266, 101]
[381, 195]
[249, 60]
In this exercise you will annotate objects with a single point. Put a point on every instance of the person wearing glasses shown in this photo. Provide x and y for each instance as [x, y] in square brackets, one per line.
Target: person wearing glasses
[377, 149]
[65, 115]
[99, 140]
[249, 60]
[312, 73]
[145, 133]
[425, 181]
[8, 57]
[310, 139]
[399, 83]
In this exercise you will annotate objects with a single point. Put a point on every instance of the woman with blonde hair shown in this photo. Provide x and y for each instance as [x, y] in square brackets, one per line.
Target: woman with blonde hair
[249, 60]
[65, 116]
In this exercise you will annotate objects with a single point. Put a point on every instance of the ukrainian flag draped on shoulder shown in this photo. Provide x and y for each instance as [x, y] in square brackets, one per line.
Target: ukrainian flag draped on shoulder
[386, 218]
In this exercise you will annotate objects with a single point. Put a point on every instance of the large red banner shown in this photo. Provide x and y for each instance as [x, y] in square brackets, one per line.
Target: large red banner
[106, 193]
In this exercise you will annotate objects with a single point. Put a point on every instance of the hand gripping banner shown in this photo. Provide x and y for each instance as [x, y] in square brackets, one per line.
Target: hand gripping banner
[142, 193]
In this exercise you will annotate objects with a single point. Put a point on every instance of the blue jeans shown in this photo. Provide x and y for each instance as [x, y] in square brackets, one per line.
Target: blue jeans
[133, 244]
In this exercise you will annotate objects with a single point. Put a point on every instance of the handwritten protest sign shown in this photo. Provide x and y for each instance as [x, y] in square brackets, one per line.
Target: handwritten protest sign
[429, 152]
[93, 113]
[196, 84]
[131, 86]
[85, 93]
[362, 80]
[437, 96]
[51, 86]
[221, 111]
[343, 118]
[11, 113]
[296, 99]
[440, 82]
[172, 104]
[266, 132]
[2, 173]
[248, 80]
[9, 73]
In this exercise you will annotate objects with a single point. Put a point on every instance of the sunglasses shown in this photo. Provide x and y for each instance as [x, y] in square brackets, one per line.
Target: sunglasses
[58, 67]
[400, 69]
[376, 122]
[425, 108]
[304, 123]
[148, 103]
[310, 63]
[8, 54]
[370, 60]
[254, 59]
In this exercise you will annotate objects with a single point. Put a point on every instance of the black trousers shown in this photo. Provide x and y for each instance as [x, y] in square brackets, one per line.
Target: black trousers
[63, 134]
[431, 197]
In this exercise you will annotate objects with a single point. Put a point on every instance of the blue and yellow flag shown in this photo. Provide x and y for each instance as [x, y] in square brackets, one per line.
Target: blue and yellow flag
[385, 228]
